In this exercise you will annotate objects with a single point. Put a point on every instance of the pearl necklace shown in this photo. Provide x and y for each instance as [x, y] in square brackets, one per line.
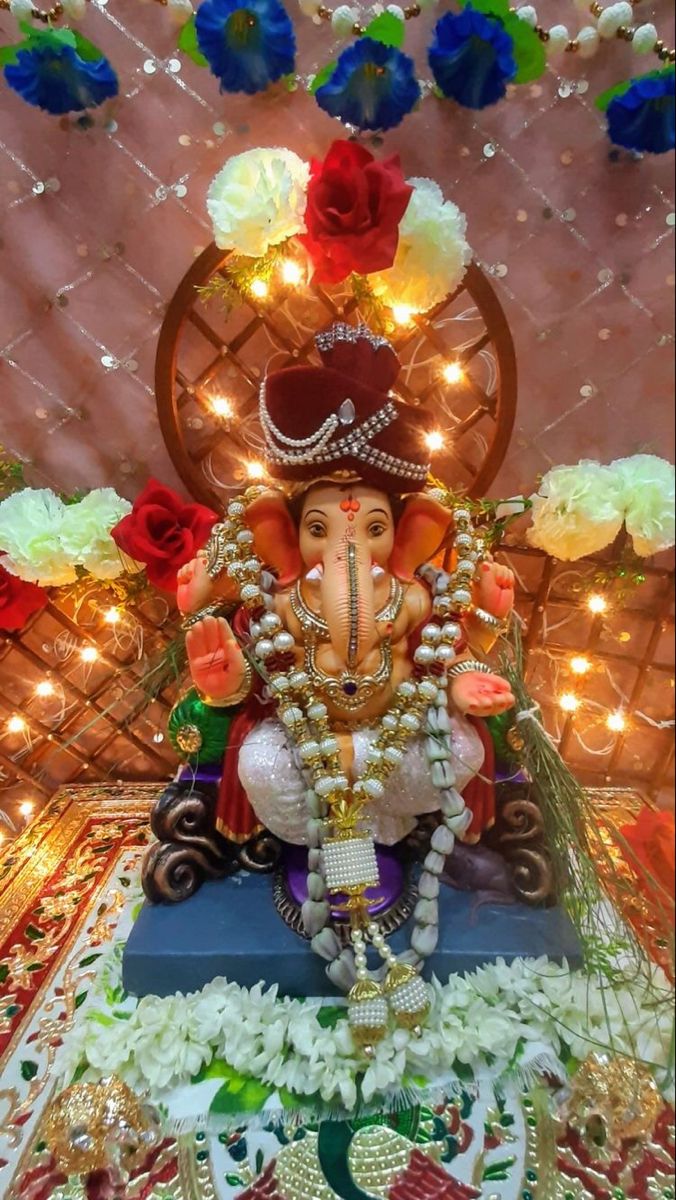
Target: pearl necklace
[342, 855]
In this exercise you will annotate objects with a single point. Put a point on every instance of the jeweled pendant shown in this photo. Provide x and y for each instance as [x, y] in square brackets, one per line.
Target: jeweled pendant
[408, 996]
[368, 1014]
[347, 412]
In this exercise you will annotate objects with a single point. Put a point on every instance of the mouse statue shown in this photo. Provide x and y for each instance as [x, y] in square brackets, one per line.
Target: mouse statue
[353, 664]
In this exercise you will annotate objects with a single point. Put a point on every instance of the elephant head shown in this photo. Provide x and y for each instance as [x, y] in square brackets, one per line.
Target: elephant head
[346, 537]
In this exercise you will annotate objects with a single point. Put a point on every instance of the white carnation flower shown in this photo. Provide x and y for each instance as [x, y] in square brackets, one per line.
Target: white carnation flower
[85, 534]
[648, 494]
[257, 200]
[31, 525]
[432, 254]
[577, 511]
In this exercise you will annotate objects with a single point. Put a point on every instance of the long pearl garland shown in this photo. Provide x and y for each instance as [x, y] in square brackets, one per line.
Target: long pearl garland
[340, 845]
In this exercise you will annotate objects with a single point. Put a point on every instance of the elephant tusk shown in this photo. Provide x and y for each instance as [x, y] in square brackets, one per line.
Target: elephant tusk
[315, 572]
[377, 571]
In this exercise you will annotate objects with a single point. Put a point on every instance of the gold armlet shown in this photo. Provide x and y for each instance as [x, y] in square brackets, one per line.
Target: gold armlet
[240, 695]
[210, 610]
[467, 666]
[213, 553]
[497, 625]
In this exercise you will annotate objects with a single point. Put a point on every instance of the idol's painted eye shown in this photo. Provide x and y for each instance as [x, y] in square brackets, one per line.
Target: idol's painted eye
[377, 529]
[316, 529]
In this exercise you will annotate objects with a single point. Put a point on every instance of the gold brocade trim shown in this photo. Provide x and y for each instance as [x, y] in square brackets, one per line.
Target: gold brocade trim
[239, 838]
[42, 849]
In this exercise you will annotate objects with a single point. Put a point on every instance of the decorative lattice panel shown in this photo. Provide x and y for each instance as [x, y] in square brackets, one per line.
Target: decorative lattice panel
[98, 724]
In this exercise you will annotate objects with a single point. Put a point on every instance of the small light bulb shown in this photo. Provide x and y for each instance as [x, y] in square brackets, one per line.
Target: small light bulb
[112, 616]
[453, 372]
[44, 688]
[26, 808]
[291, 272]
[580, 665]
[255, 470]
[435, 441]
[569, 702]
[597, 603]
[16, 724]
[89, 654]
[616, 722]
[259, 289]
[221, 406]
[402, 314]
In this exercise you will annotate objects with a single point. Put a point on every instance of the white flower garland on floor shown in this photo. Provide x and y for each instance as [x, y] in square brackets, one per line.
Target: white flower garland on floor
[523, 1016]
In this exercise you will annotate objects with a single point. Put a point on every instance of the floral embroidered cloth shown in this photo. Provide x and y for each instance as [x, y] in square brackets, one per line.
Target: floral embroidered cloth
[68, 888]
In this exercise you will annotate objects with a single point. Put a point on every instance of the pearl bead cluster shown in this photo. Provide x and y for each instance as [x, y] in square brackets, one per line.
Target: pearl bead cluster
[351, 19]
[613, 21]
[345, 860]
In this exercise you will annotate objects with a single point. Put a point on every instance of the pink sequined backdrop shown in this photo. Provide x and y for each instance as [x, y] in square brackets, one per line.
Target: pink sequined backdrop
[98, 227]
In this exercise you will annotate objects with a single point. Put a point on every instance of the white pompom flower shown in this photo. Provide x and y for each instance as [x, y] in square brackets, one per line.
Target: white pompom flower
[577, 511]
[432, 254]
[257, 200]
[85, 533]
[21, 9]
[180, 11]
[613, 17]
[647, 485]
[644, 39]
[528, 14]
[559, 38]
[31, 525]
[588, 41]
[74, 10]
[343, 20]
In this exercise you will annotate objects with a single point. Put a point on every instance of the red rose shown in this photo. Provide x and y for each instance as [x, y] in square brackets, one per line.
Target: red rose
[163, 532]
[18, 600]
[354, 206]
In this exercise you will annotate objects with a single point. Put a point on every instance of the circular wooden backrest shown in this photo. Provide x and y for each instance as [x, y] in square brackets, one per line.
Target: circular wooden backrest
[211, 348]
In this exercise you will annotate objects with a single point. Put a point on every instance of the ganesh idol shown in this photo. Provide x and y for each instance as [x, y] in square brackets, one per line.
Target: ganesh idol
[362, 607]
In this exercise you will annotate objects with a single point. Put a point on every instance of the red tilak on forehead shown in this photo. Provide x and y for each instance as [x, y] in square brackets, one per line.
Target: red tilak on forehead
[350, 506]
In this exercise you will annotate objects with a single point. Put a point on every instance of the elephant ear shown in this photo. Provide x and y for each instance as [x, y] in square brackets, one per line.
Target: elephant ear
[276, 536]
[421, 530]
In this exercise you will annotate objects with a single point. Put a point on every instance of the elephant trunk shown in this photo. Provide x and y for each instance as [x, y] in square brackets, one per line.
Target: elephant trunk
[348, 601]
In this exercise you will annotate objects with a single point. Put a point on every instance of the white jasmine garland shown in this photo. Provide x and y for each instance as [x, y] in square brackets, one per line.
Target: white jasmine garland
[343, 20]
[432, 254]
[257, 200]
[162, 1043]
[644, 39]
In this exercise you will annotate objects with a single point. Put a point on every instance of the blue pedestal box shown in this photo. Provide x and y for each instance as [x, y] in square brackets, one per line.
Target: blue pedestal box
[231, 928]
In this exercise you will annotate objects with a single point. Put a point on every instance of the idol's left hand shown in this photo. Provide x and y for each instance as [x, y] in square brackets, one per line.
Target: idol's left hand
[479, 695]
[494, 589]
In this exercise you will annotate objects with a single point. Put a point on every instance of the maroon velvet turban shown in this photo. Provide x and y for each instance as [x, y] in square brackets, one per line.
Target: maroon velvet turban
[342, 420]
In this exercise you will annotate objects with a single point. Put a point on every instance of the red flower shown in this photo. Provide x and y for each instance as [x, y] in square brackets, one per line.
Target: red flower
[18, 600]
[652, 857]
[354, 206]
[163, 532]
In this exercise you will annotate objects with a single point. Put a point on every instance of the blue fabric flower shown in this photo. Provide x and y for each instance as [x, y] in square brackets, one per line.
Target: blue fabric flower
[248, 44]
[643, 117]
[56, 78]
[373, 86]
[472, 58]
